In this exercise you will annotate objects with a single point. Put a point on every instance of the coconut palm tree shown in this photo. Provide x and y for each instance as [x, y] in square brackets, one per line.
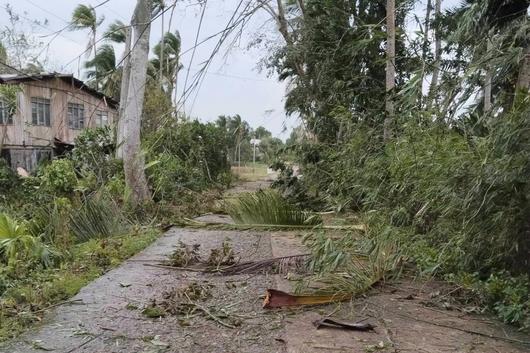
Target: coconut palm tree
[238, 128]
[167, 53]
[117, 32]
[84, 17]
[102, 68]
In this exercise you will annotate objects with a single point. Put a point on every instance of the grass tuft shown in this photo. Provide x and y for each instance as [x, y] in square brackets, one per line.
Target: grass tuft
[268, 207]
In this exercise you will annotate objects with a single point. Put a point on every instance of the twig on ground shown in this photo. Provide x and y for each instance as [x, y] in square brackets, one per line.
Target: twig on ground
[482, 334]
[174, 268]
[215, 318]
[85, 343]
[74, 301]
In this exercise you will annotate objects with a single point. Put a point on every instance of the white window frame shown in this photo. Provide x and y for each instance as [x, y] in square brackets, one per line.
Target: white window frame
[102, 118]
[41, 111]
[6, 118]
[76, 116]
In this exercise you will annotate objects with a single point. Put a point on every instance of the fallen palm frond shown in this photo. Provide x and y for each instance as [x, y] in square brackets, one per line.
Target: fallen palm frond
[353, 326]
[97, 218]
[352, 265]
[186, 222]
[268, 207]
[282, 265]
[278, 299]
[184, 255]
[222, 256]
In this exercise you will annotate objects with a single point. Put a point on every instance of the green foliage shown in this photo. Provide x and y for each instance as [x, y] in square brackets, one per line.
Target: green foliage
[93, 154]
[169, 174]
[58, 177]
[510, 297]
[352, 263]
[51, 223]
[98, 217]
[157, 110]
[506, 295]
[17, 244]
[8, 178]
[25, 294]
[185, 155]
[268, 207]
[8, 95]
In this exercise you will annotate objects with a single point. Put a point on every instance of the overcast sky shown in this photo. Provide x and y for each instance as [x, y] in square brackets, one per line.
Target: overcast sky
[233, 84]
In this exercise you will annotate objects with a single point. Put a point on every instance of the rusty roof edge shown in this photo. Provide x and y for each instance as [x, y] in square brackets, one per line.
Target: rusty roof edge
[69, 78]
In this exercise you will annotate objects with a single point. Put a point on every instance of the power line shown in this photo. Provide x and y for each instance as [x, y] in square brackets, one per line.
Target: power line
[243, 78]
[40, 25]
[47, 11]
[195, 44]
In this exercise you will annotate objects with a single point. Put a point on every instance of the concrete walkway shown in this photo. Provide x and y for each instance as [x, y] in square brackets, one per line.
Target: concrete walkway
[110, 318]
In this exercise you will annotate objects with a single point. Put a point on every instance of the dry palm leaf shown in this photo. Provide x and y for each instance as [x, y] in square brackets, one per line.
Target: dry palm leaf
[278, 299]
[284, 264]
[268, 207]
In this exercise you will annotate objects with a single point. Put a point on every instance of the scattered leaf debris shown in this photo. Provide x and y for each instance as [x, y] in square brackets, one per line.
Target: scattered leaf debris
[332, 323]
[184, 255]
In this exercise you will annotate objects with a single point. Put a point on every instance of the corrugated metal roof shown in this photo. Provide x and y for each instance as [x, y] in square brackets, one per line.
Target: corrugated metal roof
[69, 78]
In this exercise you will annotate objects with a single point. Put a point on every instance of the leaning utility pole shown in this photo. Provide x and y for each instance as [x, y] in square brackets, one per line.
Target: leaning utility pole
[390, 81]
[132, 97]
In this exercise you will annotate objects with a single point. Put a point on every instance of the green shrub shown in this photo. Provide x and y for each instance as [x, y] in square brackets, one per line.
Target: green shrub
[17, 244]
[268, 207]
[8, 179]
[98, 217]
[58, 177]
[195, 154]
[168, 174]
[93, 154]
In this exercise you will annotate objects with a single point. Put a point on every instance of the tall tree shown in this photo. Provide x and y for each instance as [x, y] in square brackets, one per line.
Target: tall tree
[523, 79]
[84, 17]
[390, 81]
[437, 54]
[132, 97]
[117, 32]
[103, 69]
[165, 66]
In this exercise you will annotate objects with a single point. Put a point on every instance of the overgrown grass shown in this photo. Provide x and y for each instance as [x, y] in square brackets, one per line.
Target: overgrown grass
[26, 298]
[98, 217]
[351, 262]
[268, 207]
[250, 172]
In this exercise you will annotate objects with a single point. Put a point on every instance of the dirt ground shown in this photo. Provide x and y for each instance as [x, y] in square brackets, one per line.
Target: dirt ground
[109, 318]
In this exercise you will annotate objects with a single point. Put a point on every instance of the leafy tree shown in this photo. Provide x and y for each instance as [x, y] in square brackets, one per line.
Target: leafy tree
[103, 69]
[117, 32]
[167, 50]
[84, 17]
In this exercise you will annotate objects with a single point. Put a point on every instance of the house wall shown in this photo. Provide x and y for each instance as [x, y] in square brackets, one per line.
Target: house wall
[23, 133]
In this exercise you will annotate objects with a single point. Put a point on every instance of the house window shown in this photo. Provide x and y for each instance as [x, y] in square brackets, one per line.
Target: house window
[76, 116]
[40, 111]
[102, 118]
[6, 118]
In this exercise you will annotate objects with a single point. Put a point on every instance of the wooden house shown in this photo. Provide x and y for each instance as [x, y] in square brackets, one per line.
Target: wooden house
[46, 114]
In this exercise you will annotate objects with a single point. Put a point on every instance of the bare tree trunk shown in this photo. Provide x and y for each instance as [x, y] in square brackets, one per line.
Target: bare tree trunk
[121, 132]
[437, 55]
[283, 27]
[487, 90]
[487, 81]
[162, 43]
[133, 159]
[301, 6]
[390, 68]
[523, 79]
[425, 47]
